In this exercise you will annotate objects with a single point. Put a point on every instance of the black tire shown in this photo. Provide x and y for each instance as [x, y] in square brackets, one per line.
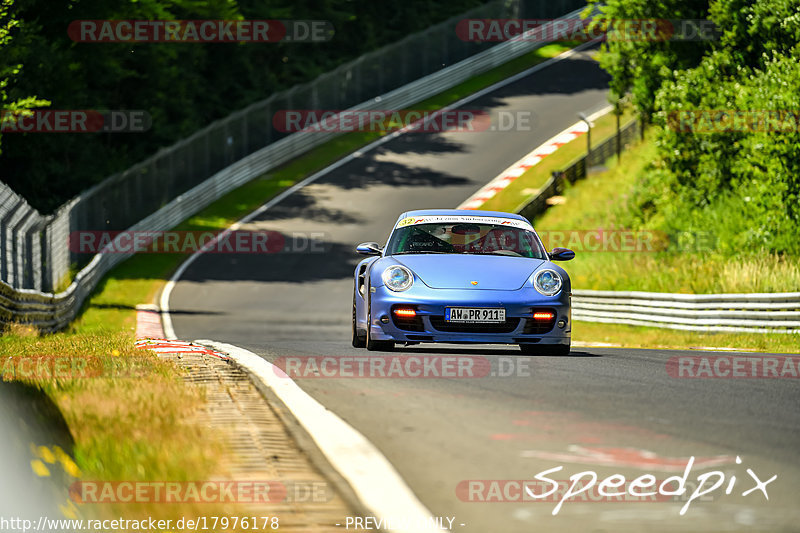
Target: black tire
[359, 341]
[379, 346]
[373, 345]
[545, 349]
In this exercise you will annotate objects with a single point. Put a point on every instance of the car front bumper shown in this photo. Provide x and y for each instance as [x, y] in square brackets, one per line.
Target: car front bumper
[430, 304]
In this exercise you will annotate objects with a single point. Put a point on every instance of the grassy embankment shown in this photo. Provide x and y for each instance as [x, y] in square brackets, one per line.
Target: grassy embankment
[685, 267]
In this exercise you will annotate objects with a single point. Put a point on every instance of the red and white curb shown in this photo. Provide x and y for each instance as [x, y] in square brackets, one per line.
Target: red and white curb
[170, 346]
[150, 335]
[516, 170]
[148, 322]
[375, 481]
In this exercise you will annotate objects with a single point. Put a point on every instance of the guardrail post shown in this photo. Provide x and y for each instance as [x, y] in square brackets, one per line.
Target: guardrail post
[4, 257]
[13, 260]
[583, 117]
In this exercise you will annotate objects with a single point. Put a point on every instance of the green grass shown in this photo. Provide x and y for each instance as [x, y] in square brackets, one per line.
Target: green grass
[527, 186]
[643, 337]
[595, 203]
[128, 412]
[138, 427]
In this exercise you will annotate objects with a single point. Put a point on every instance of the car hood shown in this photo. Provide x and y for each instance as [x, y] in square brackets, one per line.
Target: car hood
[459, 271]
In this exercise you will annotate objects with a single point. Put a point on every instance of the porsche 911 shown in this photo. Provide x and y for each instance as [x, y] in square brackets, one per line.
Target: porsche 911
[462, 276]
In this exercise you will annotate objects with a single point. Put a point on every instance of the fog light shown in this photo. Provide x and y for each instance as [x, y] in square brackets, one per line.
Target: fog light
[562, 323]
[384, 319]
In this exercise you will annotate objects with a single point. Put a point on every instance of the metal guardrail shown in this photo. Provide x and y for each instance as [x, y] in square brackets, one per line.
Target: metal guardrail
[50, 311]
[577, 169]
[762, 313]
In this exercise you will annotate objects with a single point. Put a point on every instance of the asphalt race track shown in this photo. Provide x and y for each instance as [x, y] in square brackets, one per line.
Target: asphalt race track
[611, 411]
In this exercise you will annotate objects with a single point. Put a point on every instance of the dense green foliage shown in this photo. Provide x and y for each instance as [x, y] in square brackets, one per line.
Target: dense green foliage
[9, 70]
[742, 184]
[183, 86]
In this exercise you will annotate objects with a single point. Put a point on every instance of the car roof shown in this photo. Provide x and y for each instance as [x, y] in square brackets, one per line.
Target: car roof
[471, 212]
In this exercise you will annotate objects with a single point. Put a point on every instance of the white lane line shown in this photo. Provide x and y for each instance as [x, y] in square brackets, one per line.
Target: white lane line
[373, 478]
[587, 344]
[166, 319]
[148, 322]
[505, 178]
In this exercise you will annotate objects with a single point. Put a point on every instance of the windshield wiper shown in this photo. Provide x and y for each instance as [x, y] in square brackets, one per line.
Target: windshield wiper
[509, 253]
[422, 252]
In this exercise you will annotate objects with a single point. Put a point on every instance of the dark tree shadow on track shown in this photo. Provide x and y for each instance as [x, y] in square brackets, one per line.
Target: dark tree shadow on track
[565, 77]
[367, 172]
[421, 143]
[302, 204]
[333, 261]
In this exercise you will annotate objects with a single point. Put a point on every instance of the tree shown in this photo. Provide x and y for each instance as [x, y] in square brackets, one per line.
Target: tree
[10, 70]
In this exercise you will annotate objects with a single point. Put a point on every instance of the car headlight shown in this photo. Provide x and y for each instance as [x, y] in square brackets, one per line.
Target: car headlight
[397, 278]
[547, 282]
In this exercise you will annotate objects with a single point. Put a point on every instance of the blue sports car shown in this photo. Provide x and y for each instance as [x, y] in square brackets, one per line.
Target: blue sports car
[456, 276]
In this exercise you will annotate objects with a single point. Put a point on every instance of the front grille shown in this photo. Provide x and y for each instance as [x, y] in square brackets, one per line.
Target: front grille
[439, 323]
[540, 327]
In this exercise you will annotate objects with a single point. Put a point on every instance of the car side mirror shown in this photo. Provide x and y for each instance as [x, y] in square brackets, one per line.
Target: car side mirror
[561, 254]
[369, 248]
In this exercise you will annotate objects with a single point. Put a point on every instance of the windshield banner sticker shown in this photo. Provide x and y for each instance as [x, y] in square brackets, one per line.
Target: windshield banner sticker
[470, 219]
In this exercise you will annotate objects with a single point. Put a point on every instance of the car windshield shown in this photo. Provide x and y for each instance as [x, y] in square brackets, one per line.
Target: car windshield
[461, 238]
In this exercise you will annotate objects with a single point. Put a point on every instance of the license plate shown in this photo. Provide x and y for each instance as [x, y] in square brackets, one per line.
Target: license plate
[474, 314]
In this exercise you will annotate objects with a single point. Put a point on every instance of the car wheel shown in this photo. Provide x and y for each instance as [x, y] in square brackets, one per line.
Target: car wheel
[545, 349]
[359, 341]
[373, 345]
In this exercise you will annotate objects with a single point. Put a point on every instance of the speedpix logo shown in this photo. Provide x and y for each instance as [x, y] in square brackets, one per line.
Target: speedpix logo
[587, 486]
